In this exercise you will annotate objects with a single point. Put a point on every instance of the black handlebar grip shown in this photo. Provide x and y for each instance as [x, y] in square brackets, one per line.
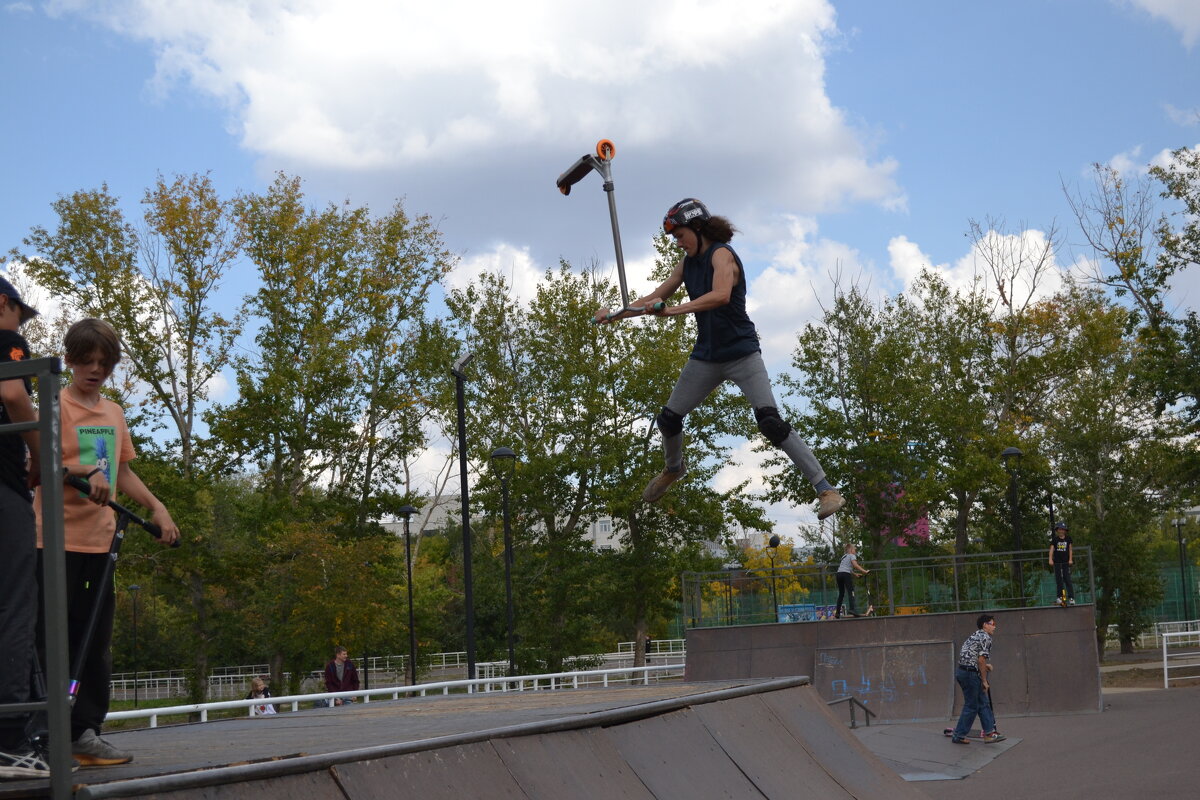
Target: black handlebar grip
[577, 172]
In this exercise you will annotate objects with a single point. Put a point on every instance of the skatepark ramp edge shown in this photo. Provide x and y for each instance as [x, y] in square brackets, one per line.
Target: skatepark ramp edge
[767, 738]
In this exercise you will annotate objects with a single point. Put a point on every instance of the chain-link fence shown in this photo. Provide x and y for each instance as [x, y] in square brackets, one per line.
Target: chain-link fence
[925, 585]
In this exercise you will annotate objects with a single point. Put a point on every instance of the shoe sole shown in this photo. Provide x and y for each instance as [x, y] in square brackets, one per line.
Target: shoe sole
[23, 772]
[97, 761]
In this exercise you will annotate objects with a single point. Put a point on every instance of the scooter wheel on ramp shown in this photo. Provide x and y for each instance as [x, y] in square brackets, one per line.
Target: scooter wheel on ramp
[605, 149]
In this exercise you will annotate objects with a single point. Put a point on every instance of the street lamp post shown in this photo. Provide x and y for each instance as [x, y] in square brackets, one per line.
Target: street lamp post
[773, 546]
[1013, 467]
[468, 588]
[406, 512]
[505, 460]
[133, 590]
[1179, 522]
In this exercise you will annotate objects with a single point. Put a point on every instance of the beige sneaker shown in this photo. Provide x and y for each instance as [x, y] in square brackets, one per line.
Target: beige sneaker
[657, 487]
[831, 502]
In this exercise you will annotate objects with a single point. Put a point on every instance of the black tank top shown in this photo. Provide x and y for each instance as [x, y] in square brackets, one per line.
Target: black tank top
[725, 333]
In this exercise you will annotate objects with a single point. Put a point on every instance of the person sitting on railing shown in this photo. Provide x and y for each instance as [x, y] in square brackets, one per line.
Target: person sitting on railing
[340, 676]
[258, 689]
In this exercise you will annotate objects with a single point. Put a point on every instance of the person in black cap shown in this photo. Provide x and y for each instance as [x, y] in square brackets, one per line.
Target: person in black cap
[1062, 558]
[19, 469]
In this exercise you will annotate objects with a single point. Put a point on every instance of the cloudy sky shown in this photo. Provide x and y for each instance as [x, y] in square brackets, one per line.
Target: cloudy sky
[858, 137]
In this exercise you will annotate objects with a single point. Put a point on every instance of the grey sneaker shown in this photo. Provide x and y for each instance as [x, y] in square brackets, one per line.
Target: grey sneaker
[24, 762]
[92, 751]
[831, 502]
[656, 488]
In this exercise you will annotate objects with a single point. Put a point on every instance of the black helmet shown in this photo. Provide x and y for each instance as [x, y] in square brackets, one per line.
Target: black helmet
[687, 212]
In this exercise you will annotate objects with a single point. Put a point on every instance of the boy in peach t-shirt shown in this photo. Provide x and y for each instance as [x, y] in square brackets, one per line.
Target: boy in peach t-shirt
[96, 446]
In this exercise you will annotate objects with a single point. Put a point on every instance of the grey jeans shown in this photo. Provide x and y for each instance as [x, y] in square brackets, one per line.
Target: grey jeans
[700, 378]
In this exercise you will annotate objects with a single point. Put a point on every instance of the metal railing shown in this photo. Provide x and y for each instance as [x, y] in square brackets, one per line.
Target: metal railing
[233, 682]
[1176, 660]
[656, 646]
[56, 707]
[931, 584]
[519, 683]
[854, 702]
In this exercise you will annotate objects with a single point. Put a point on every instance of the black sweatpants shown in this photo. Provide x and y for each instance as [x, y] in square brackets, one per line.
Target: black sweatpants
[845, 583]
[18, 609]
[84, 591]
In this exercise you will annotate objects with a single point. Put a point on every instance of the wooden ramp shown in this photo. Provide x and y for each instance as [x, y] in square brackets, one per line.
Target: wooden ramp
[744, 739]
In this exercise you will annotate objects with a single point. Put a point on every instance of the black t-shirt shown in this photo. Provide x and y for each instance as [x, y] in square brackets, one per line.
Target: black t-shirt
[1062, 548]
[13, 474]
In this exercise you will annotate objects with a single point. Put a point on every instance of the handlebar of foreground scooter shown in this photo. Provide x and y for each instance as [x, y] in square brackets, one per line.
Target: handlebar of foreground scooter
[85, 487]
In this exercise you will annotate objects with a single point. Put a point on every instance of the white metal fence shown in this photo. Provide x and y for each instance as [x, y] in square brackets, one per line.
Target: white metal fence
[1175, 660]
[233, 682]
[519, 683]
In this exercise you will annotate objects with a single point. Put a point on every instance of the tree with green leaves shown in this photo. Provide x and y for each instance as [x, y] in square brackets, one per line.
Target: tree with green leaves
[1112, 457]
[576, 402]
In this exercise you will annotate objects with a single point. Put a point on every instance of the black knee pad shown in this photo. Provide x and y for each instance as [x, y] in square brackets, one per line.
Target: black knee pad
[670, 423]
[772, 425]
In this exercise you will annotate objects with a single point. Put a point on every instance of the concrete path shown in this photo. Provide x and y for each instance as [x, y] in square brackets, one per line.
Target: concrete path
[1142, 745]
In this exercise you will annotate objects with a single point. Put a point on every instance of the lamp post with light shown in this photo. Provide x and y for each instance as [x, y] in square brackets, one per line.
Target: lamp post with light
[773, 550]
[406, 512]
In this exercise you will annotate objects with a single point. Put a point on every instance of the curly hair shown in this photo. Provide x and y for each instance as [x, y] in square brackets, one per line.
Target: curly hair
[716, 229]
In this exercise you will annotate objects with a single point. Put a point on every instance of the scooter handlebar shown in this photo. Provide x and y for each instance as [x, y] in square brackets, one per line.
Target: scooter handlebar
[85, 487]
[577, 172]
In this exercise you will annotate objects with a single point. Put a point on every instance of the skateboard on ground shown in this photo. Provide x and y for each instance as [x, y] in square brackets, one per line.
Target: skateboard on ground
[977, 734]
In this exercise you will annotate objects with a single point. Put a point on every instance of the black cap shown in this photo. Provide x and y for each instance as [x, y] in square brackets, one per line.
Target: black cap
[1060, 526]
[6, 288]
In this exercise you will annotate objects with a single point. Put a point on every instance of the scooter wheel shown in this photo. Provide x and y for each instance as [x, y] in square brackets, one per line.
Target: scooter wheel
[605, 149]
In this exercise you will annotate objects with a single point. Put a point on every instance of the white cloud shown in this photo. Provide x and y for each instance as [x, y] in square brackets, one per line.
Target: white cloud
[387, 84]
[514, 263]
[219, 388]
[1129, 162]
[1185, 117]
[1027, 248]
[908, 261]
[784, 296]
[1182, 15]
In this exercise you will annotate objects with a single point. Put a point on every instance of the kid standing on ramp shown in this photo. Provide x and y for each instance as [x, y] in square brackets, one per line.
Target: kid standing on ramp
[726, 347]
[97, 447]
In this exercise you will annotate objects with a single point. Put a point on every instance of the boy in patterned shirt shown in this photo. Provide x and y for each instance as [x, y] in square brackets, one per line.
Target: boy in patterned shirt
[97, 447]
[972, 677]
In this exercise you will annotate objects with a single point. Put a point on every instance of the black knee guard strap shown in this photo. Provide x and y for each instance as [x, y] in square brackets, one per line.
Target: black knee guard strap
[670, 423]
[772, 425]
